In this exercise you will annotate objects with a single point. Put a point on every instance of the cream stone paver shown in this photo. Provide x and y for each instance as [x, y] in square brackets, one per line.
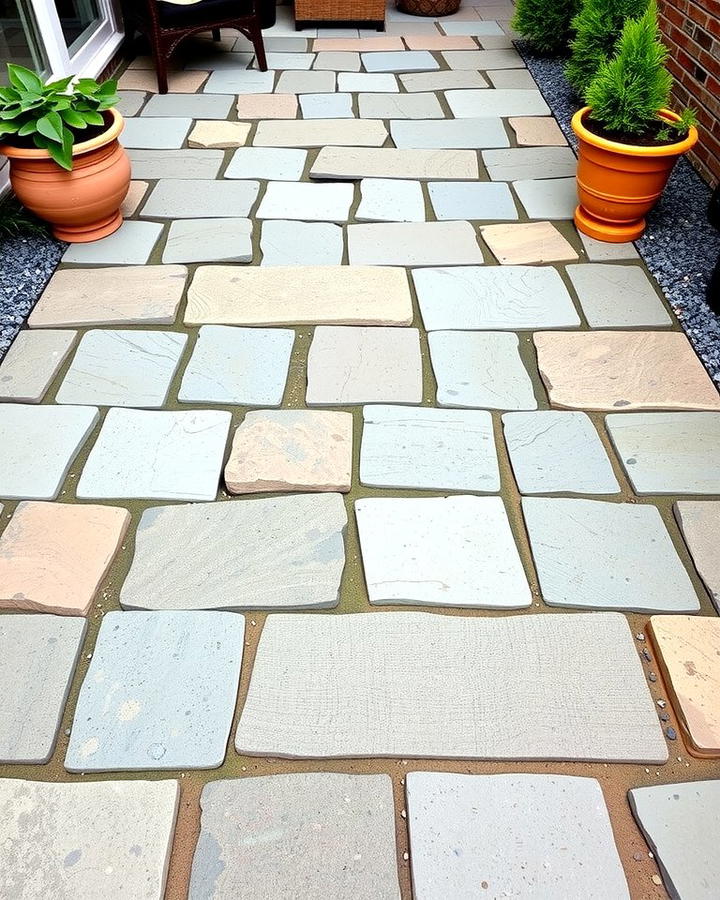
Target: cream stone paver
[54, 556]
[400, 106]
[527, 243]
[212, 133]
[326, 133]
[688, 650]
[195, 198]
[150, 296]
[599, 286]
[291, 450]
[359, 44]
[623, 369]
[350, 163]
[448, 79]
[413, 244]
[307, 202]
[267, 106]
[134, 198]
[440, 42]
[532, 131]
[289, 60]
[516, 163]
[699, 521]
[146, 80]
[337, 60]
[451, 25]
[32, 362]
[299, 295]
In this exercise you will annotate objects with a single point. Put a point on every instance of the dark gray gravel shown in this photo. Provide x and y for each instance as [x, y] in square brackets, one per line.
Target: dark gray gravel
[26, 264]
[680, 247]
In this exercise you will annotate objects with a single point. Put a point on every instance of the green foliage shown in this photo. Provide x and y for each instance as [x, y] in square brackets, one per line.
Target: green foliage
[50, 114]
[545, 23]
[16, 220]
[597, 28]
[678, 129]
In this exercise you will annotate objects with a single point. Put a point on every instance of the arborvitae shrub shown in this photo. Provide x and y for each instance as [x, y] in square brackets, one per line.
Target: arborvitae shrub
[597, 28]
[545, 23]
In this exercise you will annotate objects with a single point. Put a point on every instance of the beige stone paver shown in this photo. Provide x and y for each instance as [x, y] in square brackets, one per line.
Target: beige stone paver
[532, 131]
[699, 521]
[440, 42]
[213, 133]
[525, 244]
[349, 163]
[267, 106]
[146, 80]
[321, 133]
[134, 198]
[358, 44]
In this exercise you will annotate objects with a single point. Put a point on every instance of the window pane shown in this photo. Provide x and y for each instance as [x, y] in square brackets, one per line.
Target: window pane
[19, 38]
[78, 20]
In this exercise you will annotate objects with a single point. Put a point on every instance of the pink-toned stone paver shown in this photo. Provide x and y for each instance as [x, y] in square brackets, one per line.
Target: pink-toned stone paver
[267, 106]
[689, 653]
[532, 131]
[146, 80]
[216, 133]
[440, 42]
[623, 370]
[134, 198]
[291, 450]
[527, 243]
[53, 556]
[363, 45]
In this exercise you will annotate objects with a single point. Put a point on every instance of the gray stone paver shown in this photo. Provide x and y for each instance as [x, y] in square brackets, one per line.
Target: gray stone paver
[194, 106]
[193, 198]
[192, 163]
[400, 61]
[469, 104]
[326, 106]
[599, 288]
[377, 82]
[336, 61]
[483, 59]
[239, 81]
[551, 198]
[305, 82]
[699, 521]
[288, 243]
[399, 106]
[156, 134]
[272, 164]
[159, 693]
[442, 81]
[307, 202]
[452, 134]
[130, 245]
[34, 358]
[472, 200]
[413, 244]
[517, 163]
[388, 200]
[209, 240]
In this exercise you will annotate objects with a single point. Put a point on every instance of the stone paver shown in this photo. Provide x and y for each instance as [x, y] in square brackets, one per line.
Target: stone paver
[471, 104]
[527, 243]
[326, 106]
[150, 296]
[133, 198]
[308, 202]
[454, 26]
[413, 244]
[359, 44]
[400, 106]
[271, 164]
[348, 366]
[374, 668]
[483, 59]
[130, 245]
[681, 824]
[193, 198]
[388, 200]
[175, 164]
[428, 449]
[326, 834]
[472, 200]
[627, 369]
[38, 447]
[349, 163]
[440, 551]
[547, 198]
[240, 81]
[101, 839]
[554, 451]
[511, 78]
[337, 60]
[493, 297]
[32, 362]
[215, 134]
[321, 133]
[54, 556]
[480, 369]
[699, 521]
[442, 81]
[518, 163]
[306, 82]
[38, 655]
[378, 83]
[159, 693]
[291, 450]
[156, 455]
[245, 366]
[400, 61]
[275, 553]
[146, 80]
[688, 649]
[156, 134]
[131, 102]
[440, 42]
[468, 830]
[532, 131]
[279, 60]
[287, 243]
[450, 134]
[600, 287]
[209, 240]
[192, 106]
[280, 295]
[266, 106]
[586, 554]
[599, 251]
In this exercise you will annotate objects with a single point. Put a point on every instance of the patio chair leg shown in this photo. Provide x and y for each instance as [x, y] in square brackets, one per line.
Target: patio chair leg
[259, 47]
[216, 34]
[159, 55]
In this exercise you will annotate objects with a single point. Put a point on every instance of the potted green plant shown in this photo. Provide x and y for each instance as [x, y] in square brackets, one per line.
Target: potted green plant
[545, 24]
[66, 164]
[628, 139]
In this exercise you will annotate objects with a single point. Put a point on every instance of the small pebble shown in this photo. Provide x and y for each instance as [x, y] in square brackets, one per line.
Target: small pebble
[656, 879]
[647, 655]
[664, 717]
[671, 733]
[662, 704]
[652, 677]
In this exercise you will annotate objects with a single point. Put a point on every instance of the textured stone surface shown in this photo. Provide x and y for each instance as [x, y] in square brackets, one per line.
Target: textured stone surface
[440, 551]
[699, 521]
[306, 82]
[31, 363]
[399, 106]
[123, 368]
[130, 245]
[295, 295]
[313, 834]
[239, 81]
[470, 104]
[280, 60]
[38, 446]
[359, 162]
[375, 670]
[493, 297]
[131, 102]
[442, 81]
[379, 83]
[347, 366]
[548, 198]
[146, 80]
[134, 197]
[527, 243]
[537, 130]
[358, 44]
[600, 251]
[553, 451]
[617, 296]
[108, 838]
[308, 202]
[321, 133]
[54, 556]
[281, 164]
[399, 61]
[428, 449]
[511, 78]
[214, 134]
[390, 200]
[337, 60]
[688, 650]
[413, 244]
[440, 42]
[529, 162]
[451, 134]
[155, 133]
[483, 59]
[480, 369]
[150, 295]
[246, 366]
[192, 198]
[522, 835]
[475, 27]
[326, 106]
[586, 554]
[192, 106]
[281, 552]
[681, 823]
[288, 243]
[472, 200]
[209, 240]
[37, 660]
[156, 455]
[291, 450]
[266, 106]
[627, 369]
[175, 164]
[159, 693]
[668, 453]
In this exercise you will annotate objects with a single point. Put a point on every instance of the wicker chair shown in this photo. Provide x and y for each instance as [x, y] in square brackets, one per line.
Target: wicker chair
[166, 24]
[366, 11]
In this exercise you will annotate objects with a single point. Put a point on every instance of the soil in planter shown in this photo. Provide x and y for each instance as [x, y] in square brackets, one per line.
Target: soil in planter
[648, 139]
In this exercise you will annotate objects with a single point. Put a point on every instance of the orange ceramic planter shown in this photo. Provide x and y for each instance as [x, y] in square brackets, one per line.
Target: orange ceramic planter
[82, 205]
[618, 184]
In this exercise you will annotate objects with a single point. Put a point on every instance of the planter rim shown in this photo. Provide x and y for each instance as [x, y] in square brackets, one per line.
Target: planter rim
[634, 149]
[100, 140]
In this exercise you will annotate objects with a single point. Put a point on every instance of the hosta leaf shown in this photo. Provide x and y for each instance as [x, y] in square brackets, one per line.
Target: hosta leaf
[60, 85]
[23, 79]
[27, 128]
[9, 128]
[73, 118]
[93, 118]
[51, 127]
[62, 155]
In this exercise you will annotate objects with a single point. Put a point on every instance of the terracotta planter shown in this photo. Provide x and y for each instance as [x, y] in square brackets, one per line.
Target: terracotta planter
[82, 205]
[618, 184]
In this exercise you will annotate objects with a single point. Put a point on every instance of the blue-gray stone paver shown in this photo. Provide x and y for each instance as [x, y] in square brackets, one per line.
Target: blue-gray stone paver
[155, 133]
[466, 200]
[209, 240]
[450, 134]
[32, 362]
[504, 102]
[159, 693]
[553, 451]
[131, 245]
[245, 366]
[400, 61]
[191, 163]
[289, 61]
[473, 27]
[194, 106]
[269, 163]
[390, 200]
[587, 555]
[548, 198]
[521, 163]
[131, 102]
[239, 81]
[617, 296]
[326, 106]
[193, 198]
[289, 243]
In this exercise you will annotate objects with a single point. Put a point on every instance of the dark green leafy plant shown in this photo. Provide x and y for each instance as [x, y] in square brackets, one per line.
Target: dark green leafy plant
[52, 115]
[597, 28]
[545, 23]
[629, 90]
[15, 220]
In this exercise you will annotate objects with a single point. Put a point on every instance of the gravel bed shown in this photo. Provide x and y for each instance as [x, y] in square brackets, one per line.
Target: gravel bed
[680, 247]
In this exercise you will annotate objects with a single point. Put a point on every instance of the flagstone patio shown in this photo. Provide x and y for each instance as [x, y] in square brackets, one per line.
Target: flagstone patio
[348, 355]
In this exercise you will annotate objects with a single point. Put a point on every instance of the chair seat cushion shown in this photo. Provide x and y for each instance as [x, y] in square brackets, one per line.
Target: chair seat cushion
[174, 15]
